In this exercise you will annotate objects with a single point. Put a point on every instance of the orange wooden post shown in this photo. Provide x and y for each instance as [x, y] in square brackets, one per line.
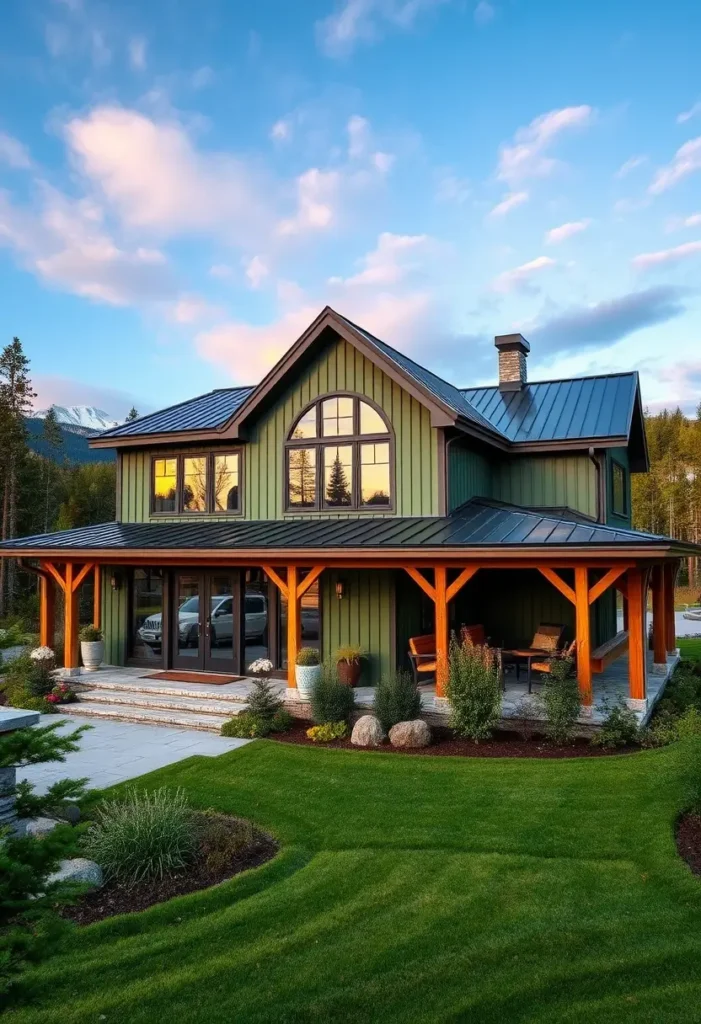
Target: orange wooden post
[670, 623]
[659, 620]
[293, 625]
[70, 619]
[97, 598]
[47, 611]
[637, 590]
[441, 618]
[581, 591]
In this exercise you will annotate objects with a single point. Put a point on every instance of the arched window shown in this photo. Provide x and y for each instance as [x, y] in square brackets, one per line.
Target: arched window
[339, 455]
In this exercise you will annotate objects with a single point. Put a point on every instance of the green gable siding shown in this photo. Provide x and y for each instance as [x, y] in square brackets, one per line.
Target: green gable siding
[114, 618]
[469, 474]
[546, 480]
[364, 616]
[617, 455]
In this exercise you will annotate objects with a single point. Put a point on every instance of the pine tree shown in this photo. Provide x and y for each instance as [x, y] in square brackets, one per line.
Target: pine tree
[132, 415]
[53, 437]
[338, 488]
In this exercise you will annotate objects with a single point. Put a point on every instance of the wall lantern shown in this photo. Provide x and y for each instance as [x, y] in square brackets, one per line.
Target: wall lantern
[340, 589]
[115, 581]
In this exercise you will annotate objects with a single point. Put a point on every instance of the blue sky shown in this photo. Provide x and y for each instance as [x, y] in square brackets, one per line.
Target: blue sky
[183, 186]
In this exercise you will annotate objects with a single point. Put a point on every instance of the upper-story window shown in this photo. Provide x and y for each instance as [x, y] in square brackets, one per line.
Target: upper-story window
[619, 489]
[197, 483]
[339, 455]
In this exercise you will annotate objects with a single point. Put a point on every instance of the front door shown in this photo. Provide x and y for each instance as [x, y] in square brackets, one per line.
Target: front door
[206, 625]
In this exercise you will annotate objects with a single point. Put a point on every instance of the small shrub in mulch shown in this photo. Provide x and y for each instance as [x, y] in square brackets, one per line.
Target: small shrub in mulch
[226, 846]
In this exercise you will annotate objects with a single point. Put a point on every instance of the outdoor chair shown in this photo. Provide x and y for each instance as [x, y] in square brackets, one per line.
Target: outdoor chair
[422, 650]
[545, 643]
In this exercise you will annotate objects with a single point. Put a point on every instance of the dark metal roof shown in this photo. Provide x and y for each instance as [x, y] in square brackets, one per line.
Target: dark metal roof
[560, 410]
[204, 412]
[478, 524]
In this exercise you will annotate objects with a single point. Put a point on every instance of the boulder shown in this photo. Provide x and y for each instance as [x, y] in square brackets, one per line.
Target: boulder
[410, 734]
[39, 826]
[367, 732]
[78, 870]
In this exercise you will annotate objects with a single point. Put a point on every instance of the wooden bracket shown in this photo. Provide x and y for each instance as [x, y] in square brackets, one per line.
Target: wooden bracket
[557, 581]
[419, 578]
[457, 584]
[277, 580]
[607, 581]
[311, 578]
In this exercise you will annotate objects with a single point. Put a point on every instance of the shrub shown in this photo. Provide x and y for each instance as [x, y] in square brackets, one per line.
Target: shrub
[397, 699]
[143, 836]
[307, 656]
[327, 732]
[331, 701]
[246, 726]
[282, 721]
[90, 634]
[220, 838]
[668, 728]
[561, 701]
[26, 678]
[474, 688]
[619, 728]
[263, 701]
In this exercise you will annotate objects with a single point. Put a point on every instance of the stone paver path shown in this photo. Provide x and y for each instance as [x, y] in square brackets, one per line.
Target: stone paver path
[112, 752]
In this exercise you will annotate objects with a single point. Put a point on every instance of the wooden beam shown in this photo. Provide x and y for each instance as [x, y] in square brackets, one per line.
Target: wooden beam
[50, 567]
[97, 598]
[70, 620]
[277, 580]
[464, 577]
[308, 581]
[659, 622]
[637, 590]
[294, 630]
[670, 571]
[557, 581]
[441, 619]
[606, 581]
[622, 588]
[421, 581]
[582, 609]
[47, 611]
[80, 576]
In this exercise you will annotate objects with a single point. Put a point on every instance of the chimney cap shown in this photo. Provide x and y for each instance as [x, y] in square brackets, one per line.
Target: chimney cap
[509, 342]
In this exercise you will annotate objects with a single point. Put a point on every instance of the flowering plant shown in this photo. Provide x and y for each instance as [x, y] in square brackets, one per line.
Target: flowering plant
[62, 693]
[42, 654]
[261, 667]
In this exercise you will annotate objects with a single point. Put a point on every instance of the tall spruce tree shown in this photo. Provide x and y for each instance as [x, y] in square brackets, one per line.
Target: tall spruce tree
[53, 437]
[132, 415]
[338, 488]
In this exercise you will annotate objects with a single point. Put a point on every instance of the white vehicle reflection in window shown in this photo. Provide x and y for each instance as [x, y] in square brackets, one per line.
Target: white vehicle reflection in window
[222, 622]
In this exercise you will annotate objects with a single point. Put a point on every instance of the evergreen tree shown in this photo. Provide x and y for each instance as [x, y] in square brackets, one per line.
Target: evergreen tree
[53, 437]
[132, 415]
[338, 488]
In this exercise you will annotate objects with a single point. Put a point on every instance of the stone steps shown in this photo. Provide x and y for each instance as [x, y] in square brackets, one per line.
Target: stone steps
[162, 689]
[146, 715]
[203, 705]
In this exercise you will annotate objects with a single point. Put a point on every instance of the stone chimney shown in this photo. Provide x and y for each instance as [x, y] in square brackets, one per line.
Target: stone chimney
[513, 351]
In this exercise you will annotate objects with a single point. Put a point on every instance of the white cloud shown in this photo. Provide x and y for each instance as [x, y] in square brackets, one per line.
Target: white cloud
[692, 221]
[201, 78]
[189, 309]
[630, 165]
[565, 231]
[666, 257]
[358, 129]
[256, 271]
[222, 271]
[510, 201]
[452, 189]
[484, 12]
[248, 351]
[137, 52]
[526, 156]
[383, 162]
[687, 160]
[317, 193]
[356, 21]
[390, 262]
[686, 115]
[14, 153]
[520, 277]
[281, 131]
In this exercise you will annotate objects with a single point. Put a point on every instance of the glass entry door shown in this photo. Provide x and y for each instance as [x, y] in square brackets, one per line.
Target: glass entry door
[207, 619]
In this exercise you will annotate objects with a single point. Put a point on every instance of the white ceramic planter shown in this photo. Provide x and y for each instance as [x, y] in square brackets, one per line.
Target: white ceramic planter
[93, 654]
[306, 677]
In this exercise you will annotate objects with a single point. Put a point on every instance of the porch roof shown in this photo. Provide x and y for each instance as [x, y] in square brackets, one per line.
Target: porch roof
[479, 526]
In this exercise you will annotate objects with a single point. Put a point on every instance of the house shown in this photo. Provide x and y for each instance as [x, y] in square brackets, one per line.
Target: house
[355, 497]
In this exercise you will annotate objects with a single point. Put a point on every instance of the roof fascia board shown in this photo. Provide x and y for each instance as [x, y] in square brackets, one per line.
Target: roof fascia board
[148, 440]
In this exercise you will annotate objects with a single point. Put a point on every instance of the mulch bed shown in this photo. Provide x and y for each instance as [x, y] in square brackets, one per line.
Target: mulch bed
[689, 841]
[502, 744]
[119, 898]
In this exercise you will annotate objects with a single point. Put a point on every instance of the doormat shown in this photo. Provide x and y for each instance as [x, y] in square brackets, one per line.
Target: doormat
[194, 677]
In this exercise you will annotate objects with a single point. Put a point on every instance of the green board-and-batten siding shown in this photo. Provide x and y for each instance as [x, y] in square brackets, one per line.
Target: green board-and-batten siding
[546, 481]
[364, 616]
[469, 474]
[340, 367]
[114, 617]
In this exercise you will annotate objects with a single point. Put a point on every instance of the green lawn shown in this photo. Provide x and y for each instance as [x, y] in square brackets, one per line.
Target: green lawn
[690, 648]
[411, 889]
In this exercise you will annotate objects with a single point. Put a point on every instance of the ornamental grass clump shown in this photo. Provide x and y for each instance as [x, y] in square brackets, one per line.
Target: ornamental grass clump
[397, 699]
[474, 688]
[143, 836]
[331, 700]
[561, 700]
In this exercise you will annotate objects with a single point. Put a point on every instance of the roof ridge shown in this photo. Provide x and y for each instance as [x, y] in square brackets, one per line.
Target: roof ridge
[556, 380]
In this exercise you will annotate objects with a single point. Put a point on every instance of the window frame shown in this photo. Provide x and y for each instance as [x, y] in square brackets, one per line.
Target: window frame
[623, 512]
[209, 455]
[354, 441]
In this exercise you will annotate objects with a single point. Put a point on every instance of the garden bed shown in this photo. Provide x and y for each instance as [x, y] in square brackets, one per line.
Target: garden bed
[689, 840]
[122, 898]
[502, 744]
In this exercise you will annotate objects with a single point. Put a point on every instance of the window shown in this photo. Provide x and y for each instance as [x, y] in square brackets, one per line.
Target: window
[339, 455]
[197, 483]
[619, 489]
[146, 614]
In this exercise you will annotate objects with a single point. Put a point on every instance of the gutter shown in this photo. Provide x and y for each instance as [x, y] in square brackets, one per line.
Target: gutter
[597, 460]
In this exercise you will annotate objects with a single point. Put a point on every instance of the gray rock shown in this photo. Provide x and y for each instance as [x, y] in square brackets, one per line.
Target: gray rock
[71, 813]
[410, 734]
[40, 826]
[8, 778]
[78, 870]
[367, 732]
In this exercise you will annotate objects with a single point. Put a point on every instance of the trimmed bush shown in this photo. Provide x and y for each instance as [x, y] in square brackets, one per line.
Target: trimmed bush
[282, 721]
[90, 634]
[397, 699]
[246, 726]
[619, 729]
[561, 700]
[143, 836]
[331, 701]
[263, 701]
[307, 656]
[474, 689]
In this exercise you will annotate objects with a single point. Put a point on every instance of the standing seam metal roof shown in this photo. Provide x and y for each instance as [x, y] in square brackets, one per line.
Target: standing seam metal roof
[202, 413]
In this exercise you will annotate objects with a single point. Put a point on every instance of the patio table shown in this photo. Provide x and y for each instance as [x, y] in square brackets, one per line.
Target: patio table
[527, 654]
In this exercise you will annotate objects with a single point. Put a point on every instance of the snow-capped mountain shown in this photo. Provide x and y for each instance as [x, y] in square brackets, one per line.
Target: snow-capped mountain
[80, 418]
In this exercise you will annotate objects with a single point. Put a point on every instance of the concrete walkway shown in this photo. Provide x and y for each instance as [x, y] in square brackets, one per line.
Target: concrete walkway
[112, 752]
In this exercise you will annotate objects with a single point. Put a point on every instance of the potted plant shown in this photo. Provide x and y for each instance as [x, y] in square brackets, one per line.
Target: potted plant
[348, 662]
[307, 671]
[92, 647]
